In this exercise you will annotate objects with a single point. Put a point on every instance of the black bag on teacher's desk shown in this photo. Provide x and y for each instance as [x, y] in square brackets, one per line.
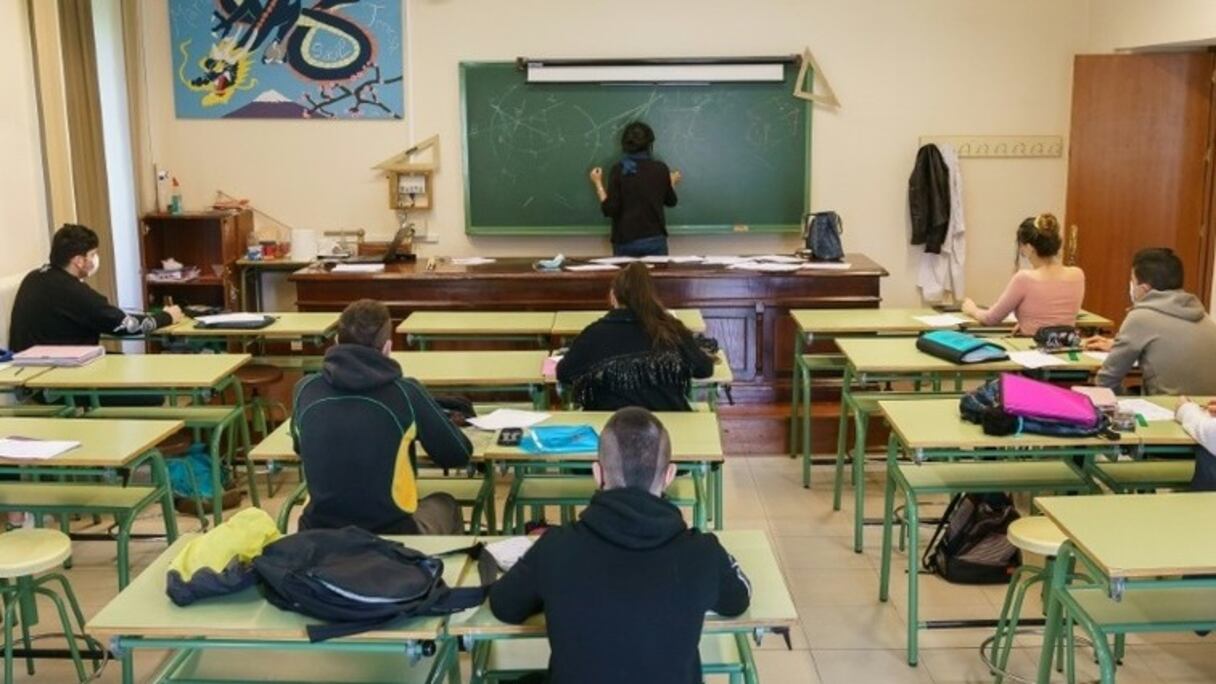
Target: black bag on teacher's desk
[357, 581]
[822, 232]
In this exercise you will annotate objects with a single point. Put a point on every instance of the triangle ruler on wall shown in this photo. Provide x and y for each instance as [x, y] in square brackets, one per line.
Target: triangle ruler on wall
[810, 67]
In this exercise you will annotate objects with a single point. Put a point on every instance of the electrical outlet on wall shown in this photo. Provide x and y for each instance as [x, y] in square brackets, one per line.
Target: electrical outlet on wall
[422, 233]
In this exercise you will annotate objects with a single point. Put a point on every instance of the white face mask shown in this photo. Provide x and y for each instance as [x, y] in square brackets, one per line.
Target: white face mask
[1131, 292]
[94, 264]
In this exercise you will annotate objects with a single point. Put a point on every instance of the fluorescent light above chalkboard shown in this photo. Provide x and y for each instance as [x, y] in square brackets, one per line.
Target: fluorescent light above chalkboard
[692, 70]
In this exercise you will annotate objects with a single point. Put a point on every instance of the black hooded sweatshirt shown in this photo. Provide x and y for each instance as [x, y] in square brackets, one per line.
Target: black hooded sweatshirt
[353, 424]
[613, 364]
[624, 591]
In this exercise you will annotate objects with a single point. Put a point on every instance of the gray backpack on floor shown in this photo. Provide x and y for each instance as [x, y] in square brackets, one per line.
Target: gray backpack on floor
[969, 545]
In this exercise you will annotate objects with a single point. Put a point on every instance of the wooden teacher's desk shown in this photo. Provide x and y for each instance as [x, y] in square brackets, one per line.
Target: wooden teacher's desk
[747, 311]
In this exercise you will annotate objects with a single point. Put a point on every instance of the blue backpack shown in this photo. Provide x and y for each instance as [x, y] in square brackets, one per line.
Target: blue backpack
[822, 234]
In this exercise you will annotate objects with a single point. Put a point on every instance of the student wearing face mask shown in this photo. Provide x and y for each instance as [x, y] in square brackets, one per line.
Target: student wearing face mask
[1167, 331]
[1044, 295]
[54, 305]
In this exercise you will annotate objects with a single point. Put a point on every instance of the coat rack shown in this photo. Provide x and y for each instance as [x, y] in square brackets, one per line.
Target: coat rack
[1000, 146]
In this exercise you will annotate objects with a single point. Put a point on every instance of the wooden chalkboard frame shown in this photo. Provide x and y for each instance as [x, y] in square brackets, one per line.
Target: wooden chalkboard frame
[602, 229]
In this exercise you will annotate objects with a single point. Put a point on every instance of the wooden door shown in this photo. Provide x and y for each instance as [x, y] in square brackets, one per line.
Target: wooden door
[1138, 173]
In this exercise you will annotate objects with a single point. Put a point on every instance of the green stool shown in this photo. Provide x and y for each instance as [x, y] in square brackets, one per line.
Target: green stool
[1038, 535]
[24, 553]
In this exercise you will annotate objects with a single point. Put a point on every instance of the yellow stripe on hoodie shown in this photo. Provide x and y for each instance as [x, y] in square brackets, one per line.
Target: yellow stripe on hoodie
[405, 482]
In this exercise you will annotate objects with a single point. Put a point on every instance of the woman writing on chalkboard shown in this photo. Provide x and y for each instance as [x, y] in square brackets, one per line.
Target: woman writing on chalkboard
[639, 187]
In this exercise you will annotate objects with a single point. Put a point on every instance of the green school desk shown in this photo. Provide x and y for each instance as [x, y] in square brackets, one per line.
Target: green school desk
[812, 324]
[15, 377]
[950, 456]
[424, 327]
[107, 448]
[771, 608]
[696, 448]
[197, 377]
[479, 371]
[1152, 559]
[477, 493]
[142, 617]
[290, 325]
[885, 359]
[570, 323]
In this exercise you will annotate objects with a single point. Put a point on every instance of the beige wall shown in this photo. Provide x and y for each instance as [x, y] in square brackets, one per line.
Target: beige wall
[901, 69]
[23, 214]
[1118, 24]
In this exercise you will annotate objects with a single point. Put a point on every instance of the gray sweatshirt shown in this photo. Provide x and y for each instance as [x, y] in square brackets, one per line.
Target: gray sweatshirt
[1172, 337]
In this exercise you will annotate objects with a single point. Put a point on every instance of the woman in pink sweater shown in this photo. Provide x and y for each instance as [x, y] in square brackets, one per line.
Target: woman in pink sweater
[1047, 294]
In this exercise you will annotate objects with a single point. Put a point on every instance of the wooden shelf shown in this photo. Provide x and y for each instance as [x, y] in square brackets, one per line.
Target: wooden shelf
[208, 281]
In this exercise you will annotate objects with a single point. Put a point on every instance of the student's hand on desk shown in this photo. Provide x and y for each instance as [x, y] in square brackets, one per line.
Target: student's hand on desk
[596, 175]
[1097, 343]
[969, 307]
[676, 177]
[175, 313]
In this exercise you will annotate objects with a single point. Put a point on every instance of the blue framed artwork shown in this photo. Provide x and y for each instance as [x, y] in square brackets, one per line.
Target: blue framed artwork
[287, 59]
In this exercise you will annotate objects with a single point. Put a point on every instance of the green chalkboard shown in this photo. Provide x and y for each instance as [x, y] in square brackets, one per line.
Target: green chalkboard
[744, 150]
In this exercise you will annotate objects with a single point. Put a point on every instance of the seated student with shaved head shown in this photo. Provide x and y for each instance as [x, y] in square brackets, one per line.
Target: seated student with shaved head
[625, 589]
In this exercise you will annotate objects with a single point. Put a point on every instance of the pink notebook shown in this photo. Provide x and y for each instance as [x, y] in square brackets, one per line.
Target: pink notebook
[1027, 398]
[58, 355]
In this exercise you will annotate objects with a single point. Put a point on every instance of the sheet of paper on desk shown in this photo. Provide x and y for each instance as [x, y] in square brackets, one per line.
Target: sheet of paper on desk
[613, 260]
[665, 259]
[943, 320]
[1143, 407]
[507, 552]
[780, 259]
[723, 260]
[472, 261]
[359, 268]
[764, 266]
[592, 267]
[825, 266]
[1035, 359]
[34, 449]
[502, 419]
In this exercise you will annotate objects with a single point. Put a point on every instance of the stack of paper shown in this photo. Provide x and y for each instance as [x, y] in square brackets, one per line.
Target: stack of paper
[593, 267]
[472, 261]
[1035, 359]
[359, 268]
[232, 319]
[943, 320]
[34, 449]
[780, 259]
[723, 260]
[502, 419]
[1146, 409]
[689, 259]
[613, 260]
[58, 355]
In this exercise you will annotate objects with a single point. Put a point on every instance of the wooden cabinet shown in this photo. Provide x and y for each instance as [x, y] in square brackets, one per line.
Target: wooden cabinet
[212, 241]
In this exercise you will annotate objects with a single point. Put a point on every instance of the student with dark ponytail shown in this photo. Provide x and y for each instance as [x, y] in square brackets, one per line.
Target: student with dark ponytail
[1046, 294]
[639, 187]
[638, 354]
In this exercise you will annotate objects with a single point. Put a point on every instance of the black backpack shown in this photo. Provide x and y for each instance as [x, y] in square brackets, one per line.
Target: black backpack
[969, 545]
[822, 233]
[357, 581]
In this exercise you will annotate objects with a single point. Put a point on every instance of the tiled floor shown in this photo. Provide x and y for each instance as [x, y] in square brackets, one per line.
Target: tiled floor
[845, 637]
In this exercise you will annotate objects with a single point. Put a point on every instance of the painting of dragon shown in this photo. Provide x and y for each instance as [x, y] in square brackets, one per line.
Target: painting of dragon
[300, 59]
